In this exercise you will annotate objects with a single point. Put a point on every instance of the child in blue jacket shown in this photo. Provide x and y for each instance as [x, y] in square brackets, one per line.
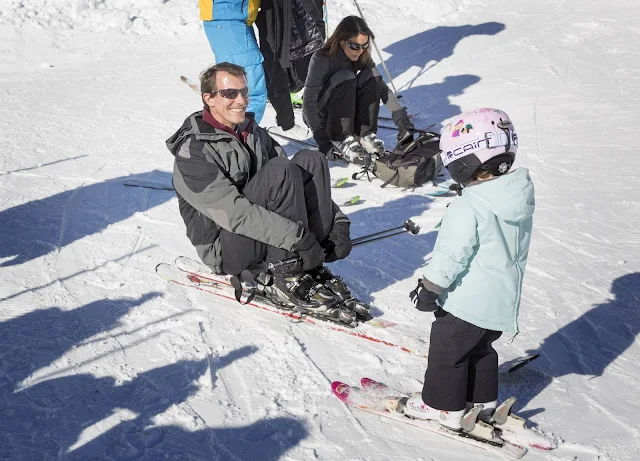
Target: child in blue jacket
[473, 282]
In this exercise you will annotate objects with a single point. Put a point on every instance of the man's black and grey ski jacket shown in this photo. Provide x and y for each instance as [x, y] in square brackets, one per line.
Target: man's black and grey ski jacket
[211, 168]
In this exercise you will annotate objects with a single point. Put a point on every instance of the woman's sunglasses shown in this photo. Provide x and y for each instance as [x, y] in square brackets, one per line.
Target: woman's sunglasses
[232, 93]
[357, 46]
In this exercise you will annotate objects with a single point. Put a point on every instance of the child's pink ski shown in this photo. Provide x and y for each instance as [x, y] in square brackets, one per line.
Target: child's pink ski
[370, 400]
[513, 430]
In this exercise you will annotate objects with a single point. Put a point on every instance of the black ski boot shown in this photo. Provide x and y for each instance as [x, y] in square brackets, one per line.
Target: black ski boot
[324, 276]
[299, 291]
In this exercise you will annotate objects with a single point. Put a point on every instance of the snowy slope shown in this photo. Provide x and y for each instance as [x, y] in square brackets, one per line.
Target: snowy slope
[102, 359]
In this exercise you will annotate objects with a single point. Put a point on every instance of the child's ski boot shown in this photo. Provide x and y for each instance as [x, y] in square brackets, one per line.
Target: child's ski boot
[458, 421]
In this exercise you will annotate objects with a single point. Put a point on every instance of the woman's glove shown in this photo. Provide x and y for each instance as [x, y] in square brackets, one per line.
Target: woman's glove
[401, 119]
[324, 144]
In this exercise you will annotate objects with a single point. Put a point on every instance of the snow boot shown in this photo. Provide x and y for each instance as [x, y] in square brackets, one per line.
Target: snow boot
[351, 150]
[337, 286]
[459, 420]
[334, 283]
[300, 292]
[300, 132]
[416, 408]
[372, 144]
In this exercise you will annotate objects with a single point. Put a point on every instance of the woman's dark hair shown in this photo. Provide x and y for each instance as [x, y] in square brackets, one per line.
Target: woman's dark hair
[348, 28]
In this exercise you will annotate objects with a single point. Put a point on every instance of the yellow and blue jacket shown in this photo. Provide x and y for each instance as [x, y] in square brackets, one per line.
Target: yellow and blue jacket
[229, 10]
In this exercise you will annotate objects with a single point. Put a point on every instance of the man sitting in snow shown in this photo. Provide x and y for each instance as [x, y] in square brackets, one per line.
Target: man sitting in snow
[245, 204]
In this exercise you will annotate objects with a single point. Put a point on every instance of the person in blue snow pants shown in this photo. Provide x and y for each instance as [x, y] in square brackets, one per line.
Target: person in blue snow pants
[228, 27]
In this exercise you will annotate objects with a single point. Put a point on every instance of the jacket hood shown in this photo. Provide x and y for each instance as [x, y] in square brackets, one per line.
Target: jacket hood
[174, 142]
[511, 197]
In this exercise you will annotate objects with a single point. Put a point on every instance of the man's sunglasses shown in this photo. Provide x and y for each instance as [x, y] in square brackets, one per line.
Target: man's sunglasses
[232, 93]
[357, 46]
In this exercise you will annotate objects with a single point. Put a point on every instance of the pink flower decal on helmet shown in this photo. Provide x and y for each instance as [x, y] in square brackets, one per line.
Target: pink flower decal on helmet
[460, 127]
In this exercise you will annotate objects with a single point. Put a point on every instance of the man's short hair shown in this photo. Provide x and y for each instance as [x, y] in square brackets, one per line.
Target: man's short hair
[208, 76]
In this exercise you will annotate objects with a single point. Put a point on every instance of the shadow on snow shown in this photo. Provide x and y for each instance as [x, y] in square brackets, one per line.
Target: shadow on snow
[42, 226]
[73, 417]
[586, 346]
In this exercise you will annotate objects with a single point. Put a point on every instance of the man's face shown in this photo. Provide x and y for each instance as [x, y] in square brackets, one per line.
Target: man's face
[229, 112]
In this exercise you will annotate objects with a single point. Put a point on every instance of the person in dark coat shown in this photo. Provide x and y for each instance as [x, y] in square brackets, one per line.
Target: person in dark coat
[290, 31]
[342, 95]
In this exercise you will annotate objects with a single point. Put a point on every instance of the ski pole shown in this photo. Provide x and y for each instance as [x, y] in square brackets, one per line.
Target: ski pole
[325, 18]
[384, 66]
[145, 186]
[362, 242]
[190, 83]
[366, 237]
[407, 226]
[415, 130]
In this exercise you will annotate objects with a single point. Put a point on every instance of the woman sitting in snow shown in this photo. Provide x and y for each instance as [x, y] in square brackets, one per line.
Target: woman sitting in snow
[343, 92]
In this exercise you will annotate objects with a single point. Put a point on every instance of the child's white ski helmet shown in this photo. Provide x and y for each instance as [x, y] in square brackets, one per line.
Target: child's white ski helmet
[478, 139]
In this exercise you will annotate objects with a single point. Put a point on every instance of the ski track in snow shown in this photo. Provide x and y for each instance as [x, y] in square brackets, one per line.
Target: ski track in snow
[102, 359]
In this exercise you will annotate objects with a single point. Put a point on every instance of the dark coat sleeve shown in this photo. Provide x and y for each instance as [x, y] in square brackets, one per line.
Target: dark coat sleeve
[318, 75]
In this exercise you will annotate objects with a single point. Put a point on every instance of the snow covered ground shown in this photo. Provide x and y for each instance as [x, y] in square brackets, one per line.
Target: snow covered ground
[102, 359]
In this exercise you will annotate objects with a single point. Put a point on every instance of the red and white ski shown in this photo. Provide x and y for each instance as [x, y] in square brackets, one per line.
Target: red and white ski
[188, 273]
[196, 268]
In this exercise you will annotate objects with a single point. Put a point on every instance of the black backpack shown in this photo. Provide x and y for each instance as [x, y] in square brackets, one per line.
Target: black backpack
[412, 162]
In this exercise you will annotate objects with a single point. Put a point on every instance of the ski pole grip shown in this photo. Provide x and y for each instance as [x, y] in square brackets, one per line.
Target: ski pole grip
[410, 226]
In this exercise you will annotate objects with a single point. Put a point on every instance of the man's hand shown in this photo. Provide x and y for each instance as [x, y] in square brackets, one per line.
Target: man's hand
[423, 299]
[309, 250]
[339, 241]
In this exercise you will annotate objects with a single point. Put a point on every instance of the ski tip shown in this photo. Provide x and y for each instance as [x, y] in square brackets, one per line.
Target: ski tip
[352, 201]
[380, 323]
[340, 182]
[368, 382]
[341, 390]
